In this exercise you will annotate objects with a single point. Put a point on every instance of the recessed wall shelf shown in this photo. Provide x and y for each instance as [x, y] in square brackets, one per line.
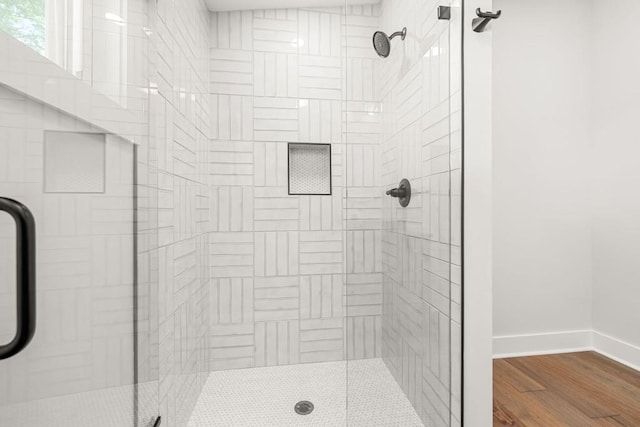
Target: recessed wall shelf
[74, 162]
[309, 169]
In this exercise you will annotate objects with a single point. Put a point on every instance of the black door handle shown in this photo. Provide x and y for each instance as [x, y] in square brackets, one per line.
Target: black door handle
[25, 275]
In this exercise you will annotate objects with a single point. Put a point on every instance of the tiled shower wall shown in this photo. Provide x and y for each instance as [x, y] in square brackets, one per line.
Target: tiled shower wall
[421, 244]
[279, 293]
[178, 118]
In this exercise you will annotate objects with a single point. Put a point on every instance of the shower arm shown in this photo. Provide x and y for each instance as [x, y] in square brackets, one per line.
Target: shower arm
[402, 34]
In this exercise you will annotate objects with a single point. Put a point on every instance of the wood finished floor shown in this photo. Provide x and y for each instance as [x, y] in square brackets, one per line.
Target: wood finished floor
[574, 389]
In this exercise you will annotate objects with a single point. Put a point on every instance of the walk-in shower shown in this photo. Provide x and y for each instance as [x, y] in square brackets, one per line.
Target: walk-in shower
[214, 245]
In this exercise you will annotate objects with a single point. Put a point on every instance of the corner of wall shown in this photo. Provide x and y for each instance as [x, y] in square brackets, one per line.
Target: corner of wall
[477, 220]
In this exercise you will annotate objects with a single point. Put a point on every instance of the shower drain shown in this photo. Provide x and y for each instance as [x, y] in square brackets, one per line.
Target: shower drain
[304, 407]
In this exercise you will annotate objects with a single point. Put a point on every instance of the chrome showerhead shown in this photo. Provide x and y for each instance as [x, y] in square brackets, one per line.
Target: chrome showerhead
[382, 42]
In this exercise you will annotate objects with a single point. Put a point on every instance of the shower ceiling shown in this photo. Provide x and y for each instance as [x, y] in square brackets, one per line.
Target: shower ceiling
[225, 5]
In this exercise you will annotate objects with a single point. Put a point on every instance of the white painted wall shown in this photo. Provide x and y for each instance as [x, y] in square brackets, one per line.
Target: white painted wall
[566, 209]
[477, 217]
[541, 230]
[615, 172]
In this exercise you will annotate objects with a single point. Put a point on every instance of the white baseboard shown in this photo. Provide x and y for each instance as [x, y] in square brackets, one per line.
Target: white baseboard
[567, 342]
[618, 350]
[546, 343]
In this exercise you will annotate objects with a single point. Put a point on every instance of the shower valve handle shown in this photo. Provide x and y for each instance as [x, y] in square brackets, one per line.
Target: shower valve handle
[402, 193]
[397, 192]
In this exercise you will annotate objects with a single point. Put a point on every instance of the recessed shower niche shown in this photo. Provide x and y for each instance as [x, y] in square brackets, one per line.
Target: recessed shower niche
[309, 169]
[74, 162]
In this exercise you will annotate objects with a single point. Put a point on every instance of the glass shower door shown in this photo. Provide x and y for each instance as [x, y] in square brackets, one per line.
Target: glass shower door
[403, 245]
[78, 183]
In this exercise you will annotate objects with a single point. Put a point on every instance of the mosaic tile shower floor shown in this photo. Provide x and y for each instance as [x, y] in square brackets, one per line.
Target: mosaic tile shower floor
[265, 397]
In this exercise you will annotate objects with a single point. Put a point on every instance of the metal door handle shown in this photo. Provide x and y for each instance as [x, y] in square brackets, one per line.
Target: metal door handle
[25, 275]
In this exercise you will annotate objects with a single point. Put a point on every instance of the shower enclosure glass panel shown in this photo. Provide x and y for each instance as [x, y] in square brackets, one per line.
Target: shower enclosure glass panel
[403, 281]
[79, 184]
[66, 153]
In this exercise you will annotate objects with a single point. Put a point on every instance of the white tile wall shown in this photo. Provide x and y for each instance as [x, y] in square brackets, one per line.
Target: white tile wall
[231, 71]
[278, 76]
[420, 93]
[181, 254]
[321, 296]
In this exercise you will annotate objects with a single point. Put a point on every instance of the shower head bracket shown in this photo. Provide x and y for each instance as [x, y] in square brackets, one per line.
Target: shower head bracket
[480, 23]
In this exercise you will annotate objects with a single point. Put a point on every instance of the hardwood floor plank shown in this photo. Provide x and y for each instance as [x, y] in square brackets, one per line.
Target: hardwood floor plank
[622, 397]
[620, 371]
[502, 416]
[607, 422]
[523, 412]
[576, 390]
[519, 380]
[623, 421]
[564, 411]
[537, 409]
[565, 390]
